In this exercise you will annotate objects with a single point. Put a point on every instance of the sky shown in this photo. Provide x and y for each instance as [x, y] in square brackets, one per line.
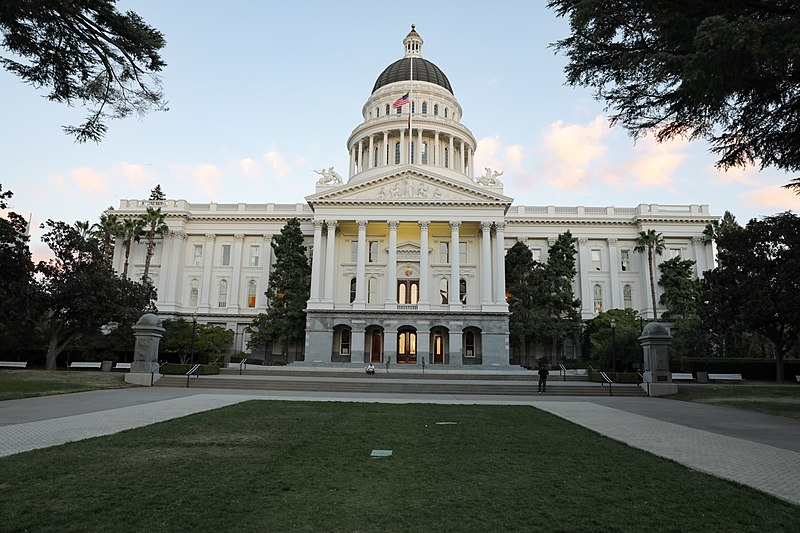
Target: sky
[263, 93]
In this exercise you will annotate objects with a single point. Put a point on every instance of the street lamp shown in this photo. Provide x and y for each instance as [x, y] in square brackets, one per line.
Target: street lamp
[194, 330]
[613, 346]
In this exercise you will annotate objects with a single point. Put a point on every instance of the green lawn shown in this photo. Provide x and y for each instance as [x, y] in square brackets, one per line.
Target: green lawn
[776, 400]
[280, 466]
[28, 383]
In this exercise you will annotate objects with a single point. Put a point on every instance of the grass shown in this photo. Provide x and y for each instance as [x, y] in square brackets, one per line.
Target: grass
[775, 400]
[279, 466]
[16, 384]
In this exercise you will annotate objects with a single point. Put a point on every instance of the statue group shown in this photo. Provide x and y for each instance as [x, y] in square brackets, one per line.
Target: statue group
[329, 177]
[490, 178]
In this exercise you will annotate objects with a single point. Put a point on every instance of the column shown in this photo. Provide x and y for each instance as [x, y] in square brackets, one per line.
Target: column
[699, 249]
[418, 155]
[236, 274]
[584, 263]
[391, 267]
[385, 151]
[205, 285]
[316, 259]
[454, 344]
[500, 264]
[177, 261]
[613, 267]
[461, 157]
[470, 173]
[352, 160]
[330, 269]
[164, 266]
[266, 257]
[361, 266]
[360, 156]
[424, 302]
[403, 149]
[455, 271]
[423, 342]
[486, 263]
[436, 158]
[371, 158]
[451, 156]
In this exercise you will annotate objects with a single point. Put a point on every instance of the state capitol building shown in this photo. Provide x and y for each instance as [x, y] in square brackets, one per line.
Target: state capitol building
[408, 251]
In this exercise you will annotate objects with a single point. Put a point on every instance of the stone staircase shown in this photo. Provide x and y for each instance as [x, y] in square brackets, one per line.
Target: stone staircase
[399, 382]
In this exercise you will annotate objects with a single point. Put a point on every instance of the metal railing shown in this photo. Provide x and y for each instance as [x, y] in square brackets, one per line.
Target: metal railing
[563, 371]
[242, 365]
[606, 379]
[192, 372]
[153, 373]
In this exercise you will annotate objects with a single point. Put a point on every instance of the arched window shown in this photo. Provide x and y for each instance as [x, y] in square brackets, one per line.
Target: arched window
[399, 110]
[424, 153]
[251, 293]
[194, 292]
[446, 158]
[424, 108]
[435, 110]
[443, 291]
[372, 291]
[462, 291]
[445, 112]
[344, 342]
[375, 164]
[352, 290]
[627, 297]
[377, 112]
[388, 109]
[223, 293]
[397, 153]
[469, 344]
[598, 299]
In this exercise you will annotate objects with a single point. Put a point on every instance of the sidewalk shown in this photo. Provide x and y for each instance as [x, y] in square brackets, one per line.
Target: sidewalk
[761, 451]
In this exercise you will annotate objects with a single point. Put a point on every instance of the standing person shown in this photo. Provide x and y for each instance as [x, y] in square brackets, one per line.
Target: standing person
[543, 373]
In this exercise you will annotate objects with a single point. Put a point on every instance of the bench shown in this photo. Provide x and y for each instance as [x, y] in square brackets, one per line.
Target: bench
[725, 377]
[122, 366]
[86, 364]
[682, 376]
[797, 378]
[13, 364]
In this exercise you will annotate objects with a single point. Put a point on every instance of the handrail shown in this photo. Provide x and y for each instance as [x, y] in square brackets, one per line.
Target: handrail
[607, 380]
[563, 372]
[242, 364]
[641, 376]
[153, 372]
[191, 372]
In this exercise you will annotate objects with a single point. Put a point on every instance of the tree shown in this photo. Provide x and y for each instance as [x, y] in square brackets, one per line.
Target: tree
[80, 291]
[754, 288]
[726, 72]
[287, 293]
[131, 231]
[525, 284]
[157, 195]
[562, 306]
[86, 51]
[681, 288]
[153, 221]
[625, 350]
[106, 231]
[650, 241]
[210, 341]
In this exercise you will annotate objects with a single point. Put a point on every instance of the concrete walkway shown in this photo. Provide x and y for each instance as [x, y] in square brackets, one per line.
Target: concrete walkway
[761, 451]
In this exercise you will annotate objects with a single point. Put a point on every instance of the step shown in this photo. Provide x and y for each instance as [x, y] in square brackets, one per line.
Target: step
[254, 370]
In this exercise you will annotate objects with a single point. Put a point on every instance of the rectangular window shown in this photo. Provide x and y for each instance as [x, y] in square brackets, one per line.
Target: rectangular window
[251, 293]
[344, 348]
[462, 253]
[444, 252]
[255, 251]
[373, 251]
[674, 252]
[197, 255]
[443, 291]
[537, 255]
[353, 251]
[625, 260]
[223, 293]
[595, 259]
[226, 255]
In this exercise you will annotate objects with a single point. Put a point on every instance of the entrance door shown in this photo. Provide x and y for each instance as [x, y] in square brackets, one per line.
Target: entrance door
[438, 348]
[375, 347]
[407, 347]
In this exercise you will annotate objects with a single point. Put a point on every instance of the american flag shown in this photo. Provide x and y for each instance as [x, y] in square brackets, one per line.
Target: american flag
[400, 102]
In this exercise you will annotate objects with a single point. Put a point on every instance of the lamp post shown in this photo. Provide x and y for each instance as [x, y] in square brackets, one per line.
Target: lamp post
[613, 346]
[194, 330]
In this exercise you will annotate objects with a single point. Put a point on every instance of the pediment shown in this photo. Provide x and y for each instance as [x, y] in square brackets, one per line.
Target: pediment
[409, 187]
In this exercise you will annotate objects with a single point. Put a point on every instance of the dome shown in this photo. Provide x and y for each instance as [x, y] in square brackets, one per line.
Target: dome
[424, 70]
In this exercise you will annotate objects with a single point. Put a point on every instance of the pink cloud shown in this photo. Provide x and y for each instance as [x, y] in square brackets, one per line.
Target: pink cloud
[278, 164]
[249, 167]
[744, 175]
[570, 149]
[136, 175]
[207, 177]
[773, 197]
[88, 180]
[655, 163]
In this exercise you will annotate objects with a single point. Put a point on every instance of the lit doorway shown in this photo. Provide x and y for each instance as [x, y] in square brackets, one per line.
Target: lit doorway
[407, 347]
[438, 342]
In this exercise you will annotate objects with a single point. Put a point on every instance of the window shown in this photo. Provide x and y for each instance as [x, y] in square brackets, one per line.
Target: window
[194, 292]
[462, 253]
[598, 299]
[413, 107]
[223, 293]
[352, 290]
[625, 260]
[246, 334]
[373, 251]
[627, 297]
[462, 291]
[444, 252]
[372, 290]
[198, 255]
[353, 251]
[424, 153]
[408, 291]
[388, 109]
[436, 110]
[412, 152]
[399, 110]
[377, 153]
[397, 153]
[344, 342]
[251, 293]
[674, 252]
[445, 112]
[424, 108]
[595, 259]
[537, 254]
[226, 255]
[377, 112]
[443, 290]
[469, 344]
[255, 251]
[446, 158]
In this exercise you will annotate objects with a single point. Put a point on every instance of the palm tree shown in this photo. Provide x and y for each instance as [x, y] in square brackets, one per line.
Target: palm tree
[106, 231]
[651, 241]
[131, 231]
[153, 221]
[84, 229]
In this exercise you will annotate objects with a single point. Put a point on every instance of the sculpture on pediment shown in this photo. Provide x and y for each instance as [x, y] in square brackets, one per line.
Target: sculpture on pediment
[422, 191]
[395, 190]
[381, 193]
[437, 193]
[409, 188]
[490, 178]
[329, 177]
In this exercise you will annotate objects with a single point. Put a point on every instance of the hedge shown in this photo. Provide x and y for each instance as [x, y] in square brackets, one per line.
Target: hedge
[754, 369]
[177, 368]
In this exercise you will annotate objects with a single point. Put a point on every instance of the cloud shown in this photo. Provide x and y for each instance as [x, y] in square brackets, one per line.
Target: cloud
[57, 181]
[249, 167]
[773, 197]
[88, 180]
[207, 177]
[655, 163]
[569, 150]
[744, 175]
[136, 175]
[491, 153]
[278, 164]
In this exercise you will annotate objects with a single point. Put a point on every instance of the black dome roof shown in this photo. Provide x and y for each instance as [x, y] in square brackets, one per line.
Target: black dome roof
[424, 70]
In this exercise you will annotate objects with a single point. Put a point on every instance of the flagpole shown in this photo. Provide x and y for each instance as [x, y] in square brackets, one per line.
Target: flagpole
[410, 111]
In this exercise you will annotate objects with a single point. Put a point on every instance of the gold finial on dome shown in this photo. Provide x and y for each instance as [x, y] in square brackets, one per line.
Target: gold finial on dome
[413, 43]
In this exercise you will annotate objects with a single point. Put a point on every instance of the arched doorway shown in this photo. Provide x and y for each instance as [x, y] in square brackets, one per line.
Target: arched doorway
[373, 349]
[439, 338]
[407, 346]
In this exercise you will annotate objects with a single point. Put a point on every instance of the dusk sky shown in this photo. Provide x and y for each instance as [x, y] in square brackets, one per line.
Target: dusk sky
[263, 93]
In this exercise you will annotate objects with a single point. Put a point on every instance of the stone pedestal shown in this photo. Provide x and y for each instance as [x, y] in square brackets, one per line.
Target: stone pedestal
[656, 340]
[148, 332]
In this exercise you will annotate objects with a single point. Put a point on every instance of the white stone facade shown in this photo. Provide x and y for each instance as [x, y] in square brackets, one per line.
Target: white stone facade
[408, 251]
